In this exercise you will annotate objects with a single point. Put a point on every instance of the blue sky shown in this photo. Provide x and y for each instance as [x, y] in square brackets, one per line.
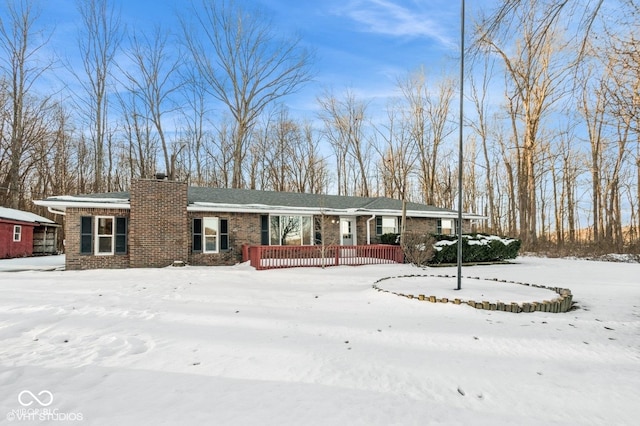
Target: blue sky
[362, 45]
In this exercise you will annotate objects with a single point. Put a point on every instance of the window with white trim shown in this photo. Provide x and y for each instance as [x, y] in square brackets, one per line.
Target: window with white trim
[446, 227]
[105, 233]
[386, 225]
[17, 233]
[210, 235]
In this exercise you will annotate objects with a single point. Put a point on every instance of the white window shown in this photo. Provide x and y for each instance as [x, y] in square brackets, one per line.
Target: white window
[389, 225]
[210, 234]
[17, 233]
[346, 228]
[446, 226]
[104, 231]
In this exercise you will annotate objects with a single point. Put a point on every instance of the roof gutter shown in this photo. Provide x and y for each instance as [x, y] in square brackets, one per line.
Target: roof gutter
[58, 206]
[54, 211]
[261, 208]
[62, 204]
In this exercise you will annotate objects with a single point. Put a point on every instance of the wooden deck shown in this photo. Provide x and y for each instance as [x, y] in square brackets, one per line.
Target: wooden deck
[271, 257]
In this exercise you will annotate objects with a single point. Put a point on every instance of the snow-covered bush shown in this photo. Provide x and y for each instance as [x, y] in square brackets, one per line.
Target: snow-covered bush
[475, 248]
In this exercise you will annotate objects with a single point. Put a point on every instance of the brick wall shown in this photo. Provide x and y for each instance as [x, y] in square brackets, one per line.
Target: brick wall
[413, 224]
[244, 228]
[159, 233]
[425, 225]
[73, 258]
[331, 229]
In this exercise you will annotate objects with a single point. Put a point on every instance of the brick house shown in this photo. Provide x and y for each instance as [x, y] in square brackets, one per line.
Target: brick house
[159, 222]
[24, 234]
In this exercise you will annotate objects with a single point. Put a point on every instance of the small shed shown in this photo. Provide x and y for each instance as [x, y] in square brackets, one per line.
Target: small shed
[25, 234]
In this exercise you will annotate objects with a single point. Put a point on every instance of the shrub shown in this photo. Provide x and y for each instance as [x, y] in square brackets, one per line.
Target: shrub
[390, 238]
[475, 248]
[418, 249]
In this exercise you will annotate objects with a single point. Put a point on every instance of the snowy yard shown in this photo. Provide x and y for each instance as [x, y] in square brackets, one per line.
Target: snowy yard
[307, 346]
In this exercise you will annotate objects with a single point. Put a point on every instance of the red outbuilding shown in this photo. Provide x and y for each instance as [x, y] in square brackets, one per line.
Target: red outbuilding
[26, 234]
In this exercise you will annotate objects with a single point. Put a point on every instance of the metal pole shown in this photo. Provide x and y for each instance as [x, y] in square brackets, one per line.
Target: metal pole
[460, 147]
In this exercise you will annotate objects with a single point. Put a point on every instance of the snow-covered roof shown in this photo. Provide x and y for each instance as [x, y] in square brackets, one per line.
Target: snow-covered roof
[22, 216]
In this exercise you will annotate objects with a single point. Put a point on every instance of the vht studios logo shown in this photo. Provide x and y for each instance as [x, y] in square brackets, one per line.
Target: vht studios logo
[35, 407]
[44, 398]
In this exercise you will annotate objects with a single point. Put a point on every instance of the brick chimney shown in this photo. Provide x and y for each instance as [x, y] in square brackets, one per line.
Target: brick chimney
[158, 225]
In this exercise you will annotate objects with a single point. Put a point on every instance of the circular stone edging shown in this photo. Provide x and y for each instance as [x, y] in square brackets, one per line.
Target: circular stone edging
[561, 304]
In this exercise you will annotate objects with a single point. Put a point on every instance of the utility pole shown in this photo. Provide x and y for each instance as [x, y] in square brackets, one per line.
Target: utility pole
[460, 158]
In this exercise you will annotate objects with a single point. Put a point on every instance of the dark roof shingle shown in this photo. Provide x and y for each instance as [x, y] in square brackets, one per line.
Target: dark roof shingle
[297, 199]
[248, 197]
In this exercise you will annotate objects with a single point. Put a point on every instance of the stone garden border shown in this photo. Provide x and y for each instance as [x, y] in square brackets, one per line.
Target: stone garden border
[563, 303]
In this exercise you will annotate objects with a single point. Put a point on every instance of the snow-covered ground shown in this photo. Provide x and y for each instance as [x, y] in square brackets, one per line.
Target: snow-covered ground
[36, 263]
[307, 346]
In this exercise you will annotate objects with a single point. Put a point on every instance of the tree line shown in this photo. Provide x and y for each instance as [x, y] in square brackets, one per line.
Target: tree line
[552, 141]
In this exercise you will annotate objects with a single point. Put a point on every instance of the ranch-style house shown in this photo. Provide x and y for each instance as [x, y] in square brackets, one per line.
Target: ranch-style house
[161, 222]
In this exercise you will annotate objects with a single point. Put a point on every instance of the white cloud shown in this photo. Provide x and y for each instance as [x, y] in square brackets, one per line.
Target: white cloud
[391, 18]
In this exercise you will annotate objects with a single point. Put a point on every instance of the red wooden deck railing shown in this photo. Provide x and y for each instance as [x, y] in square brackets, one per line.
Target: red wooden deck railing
[270, 257]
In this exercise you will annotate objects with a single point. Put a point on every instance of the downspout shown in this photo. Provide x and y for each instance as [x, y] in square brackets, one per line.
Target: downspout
[54, 211]
[369, 229]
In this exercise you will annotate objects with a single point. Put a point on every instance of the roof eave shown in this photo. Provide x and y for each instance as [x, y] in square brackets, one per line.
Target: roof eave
[63, 205]
[261, 208]
[76, 202]
[18, 221]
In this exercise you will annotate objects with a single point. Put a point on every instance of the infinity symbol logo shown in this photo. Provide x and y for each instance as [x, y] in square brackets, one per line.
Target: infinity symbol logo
[24, 400]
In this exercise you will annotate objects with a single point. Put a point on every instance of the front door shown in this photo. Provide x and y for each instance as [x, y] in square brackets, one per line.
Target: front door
[348, 231]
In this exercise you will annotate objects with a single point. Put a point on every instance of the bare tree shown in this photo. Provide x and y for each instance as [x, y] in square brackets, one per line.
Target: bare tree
[609, 105]
[61, 176]
[311, 171]
[623, 91]
[593, 108]
[98, 42]
[46, 130]
[283, 136]
[397, 155]
[481, 126]
[535, 70]
[22, 64]
[503, 19]
[285, 156]
[571, 160]
[141, 140]
[428, 112]
[344, 125]
[508, 159]
[194, 129]
[246, 65]
[153, 81]
[219, 152]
